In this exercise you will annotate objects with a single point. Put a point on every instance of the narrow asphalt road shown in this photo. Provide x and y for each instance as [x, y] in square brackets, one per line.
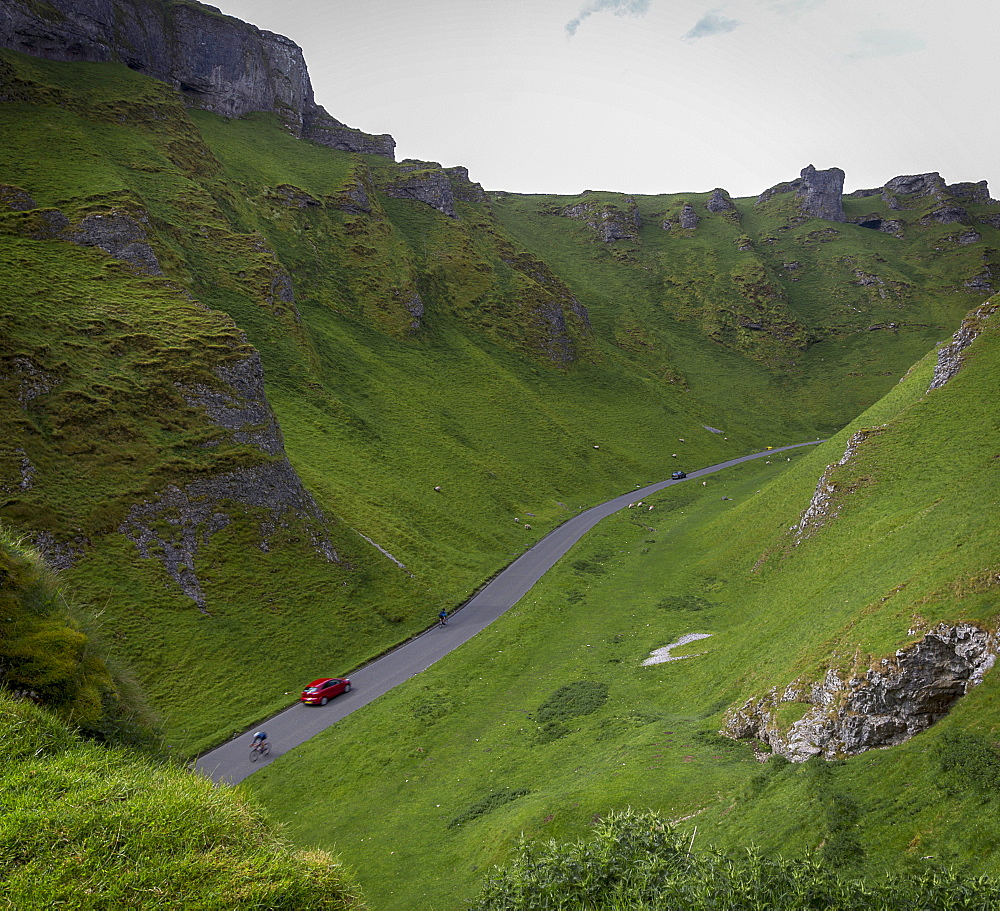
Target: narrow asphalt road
[295, 725]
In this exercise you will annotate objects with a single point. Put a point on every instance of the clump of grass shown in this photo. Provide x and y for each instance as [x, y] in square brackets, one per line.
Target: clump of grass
[684, 603]
[487, 804]
[46, 656]
[969, 762]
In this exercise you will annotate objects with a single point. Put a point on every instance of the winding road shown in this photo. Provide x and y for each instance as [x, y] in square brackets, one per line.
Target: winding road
[297, 724]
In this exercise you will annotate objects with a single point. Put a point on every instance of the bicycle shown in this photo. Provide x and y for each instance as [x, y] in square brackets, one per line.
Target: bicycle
[259, 749]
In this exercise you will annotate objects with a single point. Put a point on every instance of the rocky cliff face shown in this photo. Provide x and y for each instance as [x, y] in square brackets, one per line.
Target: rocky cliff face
[824, 505]
[819, 193]
[215, 61]
[894, 699]
[426, 182]
[950, 355]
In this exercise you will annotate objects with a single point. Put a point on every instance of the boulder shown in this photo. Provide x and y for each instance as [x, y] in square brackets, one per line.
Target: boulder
[719, 203]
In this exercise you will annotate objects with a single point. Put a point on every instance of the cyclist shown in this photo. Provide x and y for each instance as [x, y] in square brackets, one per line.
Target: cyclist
[443, 617]
[259, 740]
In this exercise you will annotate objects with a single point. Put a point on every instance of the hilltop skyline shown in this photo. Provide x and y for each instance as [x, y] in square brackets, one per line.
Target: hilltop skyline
[651, 96]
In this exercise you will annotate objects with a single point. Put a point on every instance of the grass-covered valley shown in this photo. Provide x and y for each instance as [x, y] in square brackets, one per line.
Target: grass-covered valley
[272, 405]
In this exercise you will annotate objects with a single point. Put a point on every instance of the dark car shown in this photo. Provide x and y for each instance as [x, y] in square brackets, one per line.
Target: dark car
[677, 475]
[323, 690]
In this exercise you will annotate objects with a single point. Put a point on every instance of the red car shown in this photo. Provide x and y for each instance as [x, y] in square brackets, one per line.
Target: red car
[323, 690]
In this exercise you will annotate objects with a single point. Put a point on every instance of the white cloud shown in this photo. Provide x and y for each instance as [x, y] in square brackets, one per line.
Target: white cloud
[712, 23]
[874, 43]
[618, 7]
[793, 7]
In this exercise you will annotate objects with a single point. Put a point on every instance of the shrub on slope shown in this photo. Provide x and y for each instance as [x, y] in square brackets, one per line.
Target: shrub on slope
[45, 655]
[639, 860]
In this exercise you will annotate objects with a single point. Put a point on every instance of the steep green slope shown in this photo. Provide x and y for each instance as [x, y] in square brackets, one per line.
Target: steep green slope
[88, 824]
[549, 719]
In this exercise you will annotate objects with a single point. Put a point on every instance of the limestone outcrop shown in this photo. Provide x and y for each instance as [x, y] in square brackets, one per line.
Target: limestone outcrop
[820, 194]
[121, 236]
[423, 181]
[214, 61]
[949, 360]
[824, 506]
[607, 220]
[177, 523]
[895, 698]
[720, 202]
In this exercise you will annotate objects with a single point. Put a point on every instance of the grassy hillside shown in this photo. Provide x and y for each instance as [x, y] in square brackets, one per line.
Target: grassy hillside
[548, 720]
[265, 408]
[429, 379]
[87, 824]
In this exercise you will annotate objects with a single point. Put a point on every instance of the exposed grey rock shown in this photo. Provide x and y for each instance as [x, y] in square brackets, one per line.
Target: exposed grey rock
[978, 192]
[821, 508]
[993, 221]
[356, 198]
[689, 218]
[240, 404]
[969, 237]
[981, 282]
[27, 471]
[424, 182]
[33, 381]
[45, 224]
[889, 703]
[949, 360]
[463, 187]
[294, 198]
[215, 61]
[281, 288]
[175, 525]
[14, 199]
[321, 128]
[120, 236]
[608, 221]
[918, 185]
[787, 186]
[720, 203]
[947, 215]
[61, 555]
[555, 309]
[415, 306]
[822, 193]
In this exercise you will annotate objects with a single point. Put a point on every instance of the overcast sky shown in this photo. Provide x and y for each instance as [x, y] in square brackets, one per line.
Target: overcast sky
[659, 96]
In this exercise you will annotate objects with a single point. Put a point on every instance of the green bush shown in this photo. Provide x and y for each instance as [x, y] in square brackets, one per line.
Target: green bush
[637, 860]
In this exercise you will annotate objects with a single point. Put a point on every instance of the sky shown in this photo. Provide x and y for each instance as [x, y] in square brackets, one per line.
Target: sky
[659, 96]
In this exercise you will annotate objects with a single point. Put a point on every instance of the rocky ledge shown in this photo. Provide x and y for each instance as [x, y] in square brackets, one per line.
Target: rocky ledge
[949, 360]
[216, 62]
[894, 699]
[606, 220]
[820, 193]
